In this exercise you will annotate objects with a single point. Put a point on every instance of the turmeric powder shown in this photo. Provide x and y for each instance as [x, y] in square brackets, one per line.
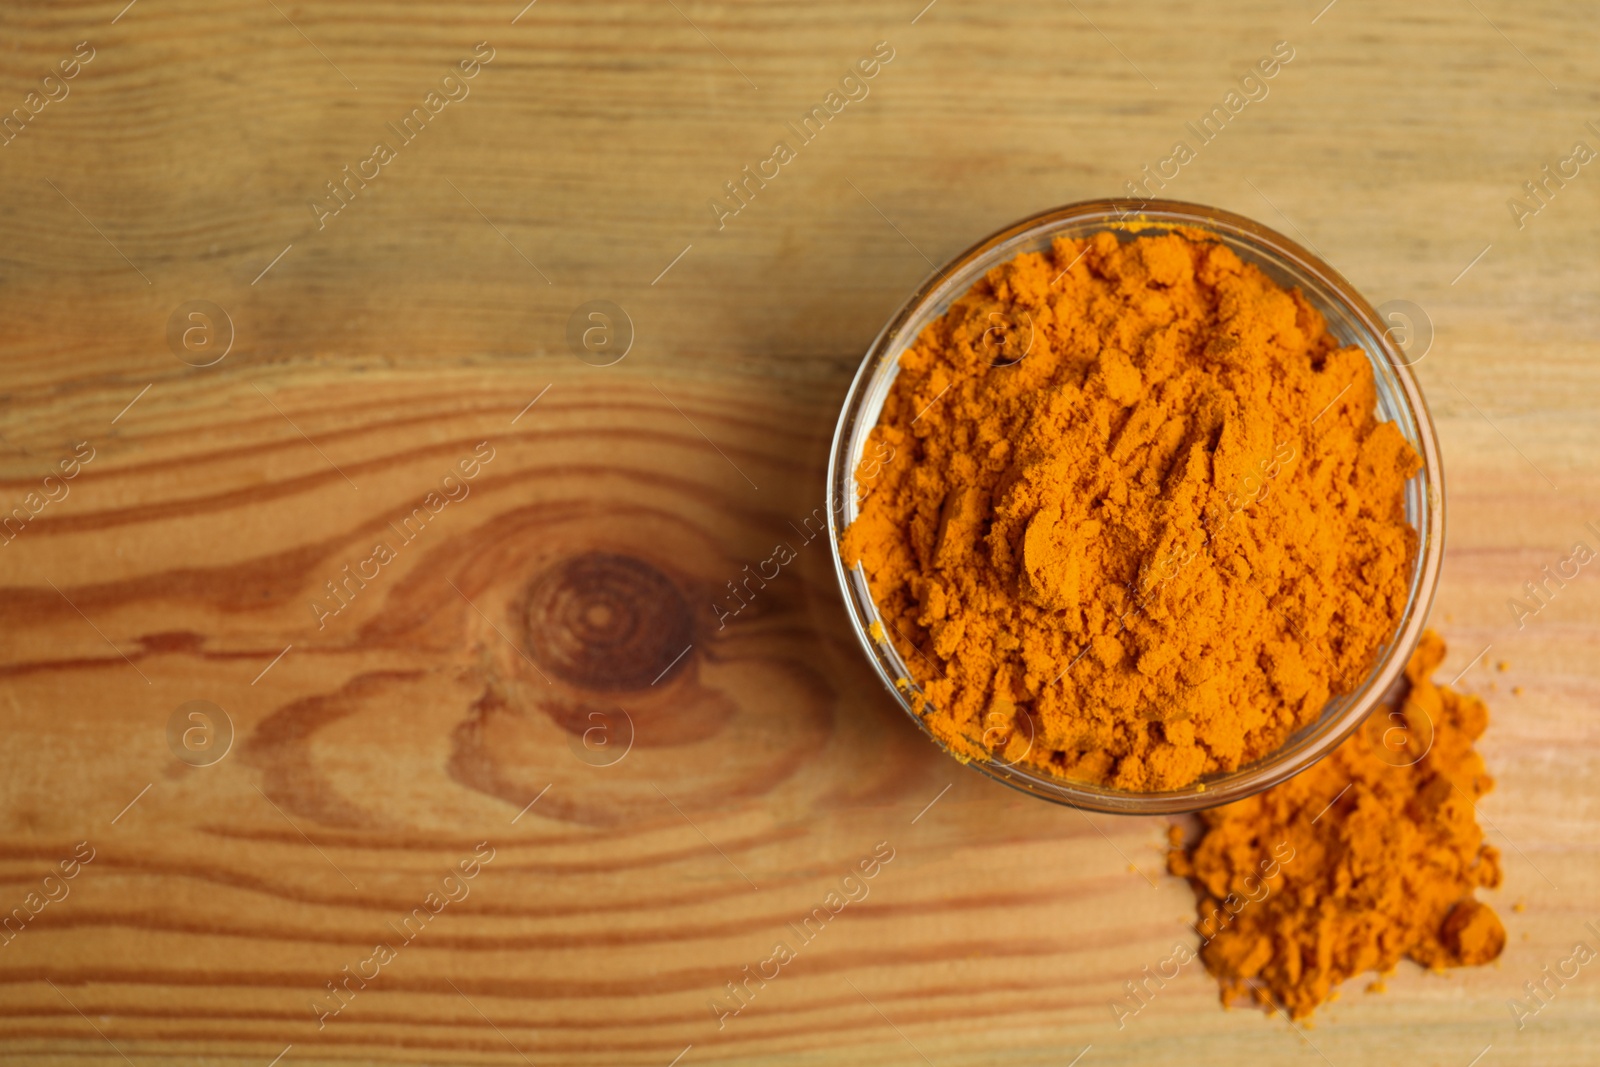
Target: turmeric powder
[1146, 524]
[1380, 852]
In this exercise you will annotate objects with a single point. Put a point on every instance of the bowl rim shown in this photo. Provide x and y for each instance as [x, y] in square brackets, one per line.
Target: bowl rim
[1310, 743]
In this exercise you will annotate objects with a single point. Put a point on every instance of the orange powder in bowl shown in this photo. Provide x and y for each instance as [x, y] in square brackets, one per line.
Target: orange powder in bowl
[1143, 522]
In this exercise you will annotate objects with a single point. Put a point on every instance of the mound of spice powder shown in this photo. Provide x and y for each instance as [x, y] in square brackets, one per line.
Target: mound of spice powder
[1141, 522]
[1370, 856]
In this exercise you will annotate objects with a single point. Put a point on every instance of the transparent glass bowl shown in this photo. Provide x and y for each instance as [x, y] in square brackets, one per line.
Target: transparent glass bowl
[1351, 320]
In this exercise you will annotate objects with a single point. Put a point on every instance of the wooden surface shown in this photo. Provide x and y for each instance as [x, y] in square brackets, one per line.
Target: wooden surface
[376, 754]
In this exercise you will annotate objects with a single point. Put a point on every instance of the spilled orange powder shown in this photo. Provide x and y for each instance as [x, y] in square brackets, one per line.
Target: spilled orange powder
[1144, 524]
[1384, 853]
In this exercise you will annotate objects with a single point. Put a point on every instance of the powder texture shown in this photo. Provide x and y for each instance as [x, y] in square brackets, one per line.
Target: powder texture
[1141, 522]
[1383, 854]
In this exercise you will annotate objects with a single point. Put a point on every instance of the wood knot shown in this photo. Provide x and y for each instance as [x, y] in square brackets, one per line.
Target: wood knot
[609, 622]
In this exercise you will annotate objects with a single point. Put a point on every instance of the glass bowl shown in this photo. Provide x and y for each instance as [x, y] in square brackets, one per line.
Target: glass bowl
[1351, 321]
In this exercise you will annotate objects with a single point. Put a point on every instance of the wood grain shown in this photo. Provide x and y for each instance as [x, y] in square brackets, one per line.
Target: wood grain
[475, 693]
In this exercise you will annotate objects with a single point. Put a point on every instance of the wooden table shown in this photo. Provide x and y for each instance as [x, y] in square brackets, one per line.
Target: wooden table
[652, 797]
